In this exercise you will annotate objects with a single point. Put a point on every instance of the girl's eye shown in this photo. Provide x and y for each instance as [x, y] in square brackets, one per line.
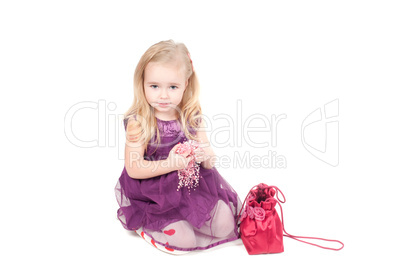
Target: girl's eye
[154, 86]
[173, 87]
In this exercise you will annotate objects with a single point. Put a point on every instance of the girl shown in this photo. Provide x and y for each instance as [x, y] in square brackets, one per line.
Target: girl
[166, 112]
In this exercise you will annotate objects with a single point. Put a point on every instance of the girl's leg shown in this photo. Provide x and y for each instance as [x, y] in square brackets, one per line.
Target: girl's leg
[222, 221]
[178, 234]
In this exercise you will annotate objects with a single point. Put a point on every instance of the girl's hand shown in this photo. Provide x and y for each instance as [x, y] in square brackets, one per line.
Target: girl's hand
[178, 161]
[200, 155]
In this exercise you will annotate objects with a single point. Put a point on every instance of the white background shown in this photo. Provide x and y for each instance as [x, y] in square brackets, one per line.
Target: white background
[284, 57]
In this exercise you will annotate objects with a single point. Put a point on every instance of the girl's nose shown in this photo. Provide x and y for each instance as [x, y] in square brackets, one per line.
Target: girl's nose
[164, 93]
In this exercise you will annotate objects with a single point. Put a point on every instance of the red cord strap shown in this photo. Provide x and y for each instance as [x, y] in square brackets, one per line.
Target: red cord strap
[308, 237]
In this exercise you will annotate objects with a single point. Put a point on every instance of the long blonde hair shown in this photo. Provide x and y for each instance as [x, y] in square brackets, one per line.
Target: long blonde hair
[141, 113]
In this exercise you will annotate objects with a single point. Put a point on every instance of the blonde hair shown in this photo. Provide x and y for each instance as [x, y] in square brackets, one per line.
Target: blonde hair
[141, 121]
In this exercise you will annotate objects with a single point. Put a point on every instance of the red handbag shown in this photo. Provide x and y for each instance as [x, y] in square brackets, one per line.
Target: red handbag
[261, 229]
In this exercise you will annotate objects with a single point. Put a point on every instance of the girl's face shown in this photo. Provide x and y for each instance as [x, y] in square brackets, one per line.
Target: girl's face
[164, 85]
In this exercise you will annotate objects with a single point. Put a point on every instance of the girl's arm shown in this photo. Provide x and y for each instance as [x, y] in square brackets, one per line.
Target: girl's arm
[139, 168]
[209, 154]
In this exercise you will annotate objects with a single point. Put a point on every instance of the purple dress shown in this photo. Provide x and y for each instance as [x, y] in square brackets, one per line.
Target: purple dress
[156, 202]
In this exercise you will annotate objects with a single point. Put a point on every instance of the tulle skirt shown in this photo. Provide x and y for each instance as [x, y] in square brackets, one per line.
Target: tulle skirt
[206, 214]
